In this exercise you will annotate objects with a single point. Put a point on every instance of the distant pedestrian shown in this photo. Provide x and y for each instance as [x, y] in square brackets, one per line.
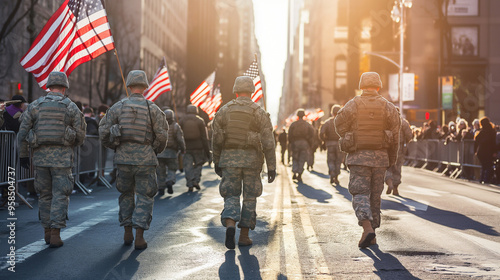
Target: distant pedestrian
[242, 138]
[300, 136]
[283, 140]
[13, 112]
[168, 159]
[137, 130]
[485, 148]
[368, 126]
[52, 126]
[330, 137]
[197, 149]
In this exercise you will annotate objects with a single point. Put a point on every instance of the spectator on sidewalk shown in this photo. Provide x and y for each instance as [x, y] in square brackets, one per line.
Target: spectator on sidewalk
[485, 148]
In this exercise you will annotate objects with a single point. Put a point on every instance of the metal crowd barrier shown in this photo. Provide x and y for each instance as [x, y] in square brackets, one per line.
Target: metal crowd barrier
[452, 157]
[89, 158]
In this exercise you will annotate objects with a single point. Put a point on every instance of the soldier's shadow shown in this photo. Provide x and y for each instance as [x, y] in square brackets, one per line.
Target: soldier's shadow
[344, 192]
[126, 269]
[229, 269]
[310, 192]
[319, 174]
[387, 265]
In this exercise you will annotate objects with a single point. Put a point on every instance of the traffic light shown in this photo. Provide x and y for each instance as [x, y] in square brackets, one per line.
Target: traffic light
[427, 116]
[416, 82]
[18, 86]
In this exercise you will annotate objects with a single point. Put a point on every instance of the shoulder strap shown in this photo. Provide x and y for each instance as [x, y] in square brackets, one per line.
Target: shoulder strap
[151, 119]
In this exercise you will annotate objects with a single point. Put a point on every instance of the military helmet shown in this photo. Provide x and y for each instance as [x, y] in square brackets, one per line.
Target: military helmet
[169, 114]
[301, 113]
[243, 84]
[191, 109]
[335, 109]
[370, 79]
[57, 78]
[137, 78]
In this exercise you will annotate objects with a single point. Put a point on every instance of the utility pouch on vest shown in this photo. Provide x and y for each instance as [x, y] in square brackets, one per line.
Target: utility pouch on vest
[347, 143]
[114, 134]
[387, 139]
[69, 136]
[134, 122]
[32, 139]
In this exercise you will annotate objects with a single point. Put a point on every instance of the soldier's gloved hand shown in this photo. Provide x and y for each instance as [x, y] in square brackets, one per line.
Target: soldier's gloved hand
[271, 175]
[25, 162]
[218, 170]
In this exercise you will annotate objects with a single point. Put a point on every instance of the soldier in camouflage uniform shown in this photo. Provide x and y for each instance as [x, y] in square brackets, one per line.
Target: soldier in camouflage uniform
[334, 156]
[368, 126]
[393, 174]
[300, 136]
[137, 130]
[242, 137]
[52, 126]
[168, 162]
[197, 149]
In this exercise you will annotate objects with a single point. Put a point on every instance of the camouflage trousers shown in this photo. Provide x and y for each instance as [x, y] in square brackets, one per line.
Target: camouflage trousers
[193, 163]
[234, 181]
[166, 171]
[54, 185]
[138, 187]
[299, 157]
[366, 185]
[394, 172]
[334, 158]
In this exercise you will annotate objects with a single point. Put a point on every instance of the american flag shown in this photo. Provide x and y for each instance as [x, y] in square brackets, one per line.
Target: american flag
[159, 85]
[78, 32]
[253, 72]
[212, 103]
[199, 96]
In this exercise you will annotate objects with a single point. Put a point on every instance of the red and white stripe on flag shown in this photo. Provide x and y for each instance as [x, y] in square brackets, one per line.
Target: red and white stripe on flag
[199, 96]
[212, 103]
[78, 32]
[159, 85]
[253, 72]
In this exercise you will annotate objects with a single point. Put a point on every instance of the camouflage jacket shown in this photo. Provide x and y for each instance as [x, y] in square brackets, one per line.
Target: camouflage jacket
[327, 132]
[51, 155]
[246, 158]
[178, 137]
[301, 131]
[131, 153]
[346, 121]
[405, 135]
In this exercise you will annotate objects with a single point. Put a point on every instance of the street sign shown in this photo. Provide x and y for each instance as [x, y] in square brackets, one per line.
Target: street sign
[447, 92]
[408, 87]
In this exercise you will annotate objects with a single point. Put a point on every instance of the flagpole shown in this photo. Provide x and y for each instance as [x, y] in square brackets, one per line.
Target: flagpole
[119, 66]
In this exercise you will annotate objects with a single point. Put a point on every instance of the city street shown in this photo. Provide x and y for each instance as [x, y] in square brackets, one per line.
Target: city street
[437, 229]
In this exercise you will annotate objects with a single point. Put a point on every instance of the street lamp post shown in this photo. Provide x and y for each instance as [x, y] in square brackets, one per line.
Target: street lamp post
[398, 15]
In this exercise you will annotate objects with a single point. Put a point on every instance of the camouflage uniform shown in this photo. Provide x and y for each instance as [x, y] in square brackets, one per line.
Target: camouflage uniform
[137, 130]
[300, 137]
[367, 166]
[241, 166]
[334, 155]
[197, 150]
[394, 172]
[168, 161]
[52, 126]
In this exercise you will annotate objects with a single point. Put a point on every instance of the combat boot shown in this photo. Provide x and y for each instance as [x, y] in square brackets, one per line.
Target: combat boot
[170, 190]
[244, 239]
[140, 243]
[368, 234]
[230, 231]
[196, 186]
[332, 180]
[55, 238]
[299, 177]
[128, 236]
[294, 176]
[161, 192]
[190, 189]
[389, 186]
[336, 180]
[47, 235]
[395, 190]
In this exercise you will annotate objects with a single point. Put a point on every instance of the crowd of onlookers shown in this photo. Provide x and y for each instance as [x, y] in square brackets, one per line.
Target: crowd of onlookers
[484, 133]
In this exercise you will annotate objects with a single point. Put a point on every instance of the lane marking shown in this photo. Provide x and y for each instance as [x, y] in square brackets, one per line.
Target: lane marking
[425, 191]
[492, 246]
[271, 268]
[481, 204]
[413, 205]
[292, 260]
[29, 250]
[312, 240]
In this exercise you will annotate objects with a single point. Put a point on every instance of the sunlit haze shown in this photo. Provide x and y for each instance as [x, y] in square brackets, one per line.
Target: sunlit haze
[270, 29]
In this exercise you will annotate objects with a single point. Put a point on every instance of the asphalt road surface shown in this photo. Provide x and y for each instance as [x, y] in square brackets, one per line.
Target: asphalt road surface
[437, 229]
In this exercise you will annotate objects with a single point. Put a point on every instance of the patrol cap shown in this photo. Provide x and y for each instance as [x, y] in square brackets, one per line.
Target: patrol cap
[169, 114]
[370, 79]
[335, 109]
[301, 113]
[137, 78]
[57, 78]
[191, 109]
[243, 84]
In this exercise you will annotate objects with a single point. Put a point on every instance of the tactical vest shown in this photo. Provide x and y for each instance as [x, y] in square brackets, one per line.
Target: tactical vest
[301, 130]
[190, 128]
[371, 116]
[172, 136]
[134, 122]
[331, 134]
[51, 124]
[241, 126]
